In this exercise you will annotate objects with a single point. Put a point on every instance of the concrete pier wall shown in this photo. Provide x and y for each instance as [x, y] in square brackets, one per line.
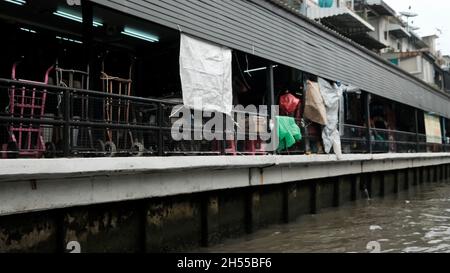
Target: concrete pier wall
[178, 220]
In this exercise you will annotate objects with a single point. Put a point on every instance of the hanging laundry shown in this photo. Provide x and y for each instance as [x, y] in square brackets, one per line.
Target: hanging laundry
[314, 105]
[288, 132]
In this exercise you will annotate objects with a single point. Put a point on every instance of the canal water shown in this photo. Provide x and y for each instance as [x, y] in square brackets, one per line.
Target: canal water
[414, 221]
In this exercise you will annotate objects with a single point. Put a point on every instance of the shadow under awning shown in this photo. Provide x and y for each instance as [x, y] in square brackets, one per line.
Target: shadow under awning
[367, 41]
[381, 8]
[398, 32]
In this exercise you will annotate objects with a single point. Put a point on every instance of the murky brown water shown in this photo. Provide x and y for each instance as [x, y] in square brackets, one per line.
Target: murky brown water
[414, 221]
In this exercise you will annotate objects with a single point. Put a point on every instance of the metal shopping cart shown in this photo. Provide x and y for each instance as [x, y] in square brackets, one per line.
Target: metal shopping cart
[26, 138]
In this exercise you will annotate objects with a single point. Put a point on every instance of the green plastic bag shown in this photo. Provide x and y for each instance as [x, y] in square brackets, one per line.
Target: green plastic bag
[288, 132]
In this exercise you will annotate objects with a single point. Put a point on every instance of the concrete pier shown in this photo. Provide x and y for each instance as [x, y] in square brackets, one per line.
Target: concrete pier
[137, 205]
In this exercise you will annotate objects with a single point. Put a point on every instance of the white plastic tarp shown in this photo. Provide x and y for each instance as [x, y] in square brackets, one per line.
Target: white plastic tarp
[205, 71]
[330, 134]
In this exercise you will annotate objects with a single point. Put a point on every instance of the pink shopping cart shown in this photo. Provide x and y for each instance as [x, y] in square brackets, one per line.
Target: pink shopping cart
[26, 138]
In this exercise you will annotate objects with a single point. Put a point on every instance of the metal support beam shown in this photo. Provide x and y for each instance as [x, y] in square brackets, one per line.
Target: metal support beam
[305, 133]
[416, 119]
[88, 35]
[160, 131]
[367, 99]
[443, 129]
[270, 88]
[270, 94]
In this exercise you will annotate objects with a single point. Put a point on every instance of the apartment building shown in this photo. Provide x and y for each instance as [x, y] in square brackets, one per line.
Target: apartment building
[417, 55]
[377, 26]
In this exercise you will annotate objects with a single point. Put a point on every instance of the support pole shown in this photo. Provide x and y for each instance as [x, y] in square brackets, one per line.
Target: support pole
[416, 117]
[270, 94]
[443, 128]
[367, 115]
[88, 35]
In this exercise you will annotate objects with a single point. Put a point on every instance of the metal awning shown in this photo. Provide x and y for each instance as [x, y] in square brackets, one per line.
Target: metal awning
[398, 31]
[341, 19]
[368, 41]
[380, 7]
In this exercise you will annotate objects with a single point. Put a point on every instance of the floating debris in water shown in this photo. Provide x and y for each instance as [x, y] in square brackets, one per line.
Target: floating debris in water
[375, 228]
[435, 242]
[415, 249]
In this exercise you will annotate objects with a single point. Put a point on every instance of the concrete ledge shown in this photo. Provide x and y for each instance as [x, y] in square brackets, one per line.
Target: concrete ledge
[34, 185]
[12, 169]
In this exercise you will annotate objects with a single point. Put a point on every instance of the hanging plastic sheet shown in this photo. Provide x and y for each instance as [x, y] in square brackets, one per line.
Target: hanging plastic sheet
[288, 132]
[314, 104]
[205, 71]
[331, 94]
[289, 104]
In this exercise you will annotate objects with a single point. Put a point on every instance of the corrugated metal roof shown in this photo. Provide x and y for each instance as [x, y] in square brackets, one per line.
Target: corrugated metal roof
[342, 19]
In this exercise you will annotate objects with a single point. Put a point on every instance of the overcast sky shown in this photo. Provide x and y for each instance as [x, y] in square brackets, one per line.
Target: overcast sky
[433, 15]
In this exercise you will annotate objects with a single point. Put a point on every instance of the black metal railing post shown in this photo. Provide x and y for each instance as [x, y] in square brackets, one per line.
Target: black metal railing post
[66, 126]
[305, 129]
[416, 116]
[443, 134]
[223, 148]
[160, 130]
[270, 92]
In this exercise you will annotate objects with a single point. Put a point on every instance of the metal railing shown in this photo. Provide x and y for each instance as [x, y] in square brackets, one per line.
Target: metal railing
[75, 124]
[102, 129]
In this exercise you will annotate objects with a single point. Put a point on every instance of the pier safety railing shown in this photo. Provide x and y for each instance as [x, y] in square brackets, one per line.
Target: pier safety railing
[87, 123]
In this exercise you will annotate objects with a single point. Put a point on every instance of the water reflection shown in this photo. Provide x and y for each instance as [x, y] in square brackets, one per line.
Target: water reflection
[414, 221]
